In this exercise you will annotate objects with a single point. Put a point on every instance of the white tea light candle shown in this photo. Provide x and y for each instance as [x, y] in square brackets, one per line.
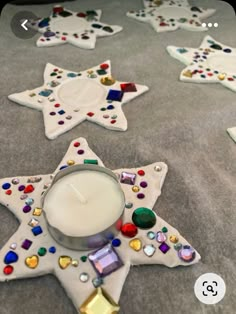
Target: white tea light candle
[84, 201]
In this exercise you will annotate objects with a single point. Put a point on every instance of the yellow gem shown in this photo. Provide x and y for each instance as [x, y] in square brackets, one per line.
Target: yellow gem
[32, 261]
[174, 239]
[90, 71]
[158, 2]
[108, 80]
[75, 263]
[135, 188]
[187, 73]
[221, 76]
[64, 261]
[37, 211]
[99, 302]
[70, 162]
[135, 244]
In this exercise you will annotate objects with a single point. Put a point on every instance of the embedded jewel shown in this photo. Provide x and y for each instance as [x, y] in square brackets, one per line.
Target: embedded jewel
[46, 92]
[141, 172]
[187, 253]
[70, 162]
[29, 201]
[149, 250]
[37, 230]
[151, 235]
[157, 168]
[26, 244]
[164, 247]
[129, 205]
[26, 209]
[91, 161]
[135, 244]
[97, 282]
[221, 76]
[135, 188]
[10, 257]
[6, 186]
[164, 229]
[13, 246]
[28, 189]
[129, 230]
[52, 250]
[143, 184]
[84, 277]
[15, 181]
[105, 260]
[177, 246]
[128, 87]
[32, 261]
[108, 29]
[116, 242]
[8, 270]
[216, 47]
[107, 80]
[174, 239]
[34, 180]
[127, 178]
[64, 261]
[37, 211]
[75, 263]
[160, 237]
[83, 258]
[33, 222]
[144, 218]
[42, 251]
[115, 95]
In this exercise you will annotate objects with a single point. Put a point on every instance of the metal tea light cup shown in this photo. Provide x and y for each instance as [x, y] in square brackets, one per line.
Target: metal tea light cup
[92, 241]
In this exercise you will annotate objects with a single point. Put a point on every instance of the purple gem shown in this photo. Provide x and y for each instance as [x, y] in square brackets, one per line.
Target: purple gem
[143, 184]
[61, 122]
[105, 260]
[21, 188]
[26, 209]
[52, 113]
[80, 152]
[127, 178]
[140, 195]
[160, 237]
[26, 244]
[187, 253]
[164, 247]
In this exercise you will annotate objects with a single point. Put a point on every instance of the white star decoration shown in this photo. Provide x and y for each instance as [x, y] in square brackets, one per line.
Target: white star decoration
[80, 29]
[172, 15]
[213, 62]
[68, 98]
[12, 198]
[232, 133]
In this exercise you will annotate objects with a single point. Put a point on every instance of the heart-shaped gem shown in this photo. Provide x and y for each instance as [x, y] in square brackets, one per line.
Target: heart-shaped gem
[160, 237]
[32, 261]
[64, 261]
[135, 244]
[10, 257]
[149, 250]
[29, 189]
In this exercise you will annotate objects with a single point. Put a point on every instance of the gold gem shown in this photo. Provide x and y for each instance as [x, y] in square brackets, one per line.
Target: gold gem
[108, 80]
[158, 2]
[135, 244]
[187, 73]
[37, 211]
[32, 261]
[99, 302]
[70, 162]
[64, 261]
[90, 71]
[135, 188]
[174, 239]
[221, 76]
[75, 263]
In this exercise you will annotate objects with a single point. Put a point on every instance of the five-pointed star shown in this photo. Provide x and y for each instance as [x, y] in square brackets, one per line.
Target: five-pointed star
[68, 98]
[213, 62]
[80, 29]
[15, 194]
[172, 15]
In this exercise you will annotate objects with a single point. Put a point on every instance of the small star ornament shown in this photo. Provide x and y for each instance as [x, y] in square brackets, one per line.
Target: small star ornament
[212, 62]
[171, 15]
[68, 98]
[94, 278]
[80, 29]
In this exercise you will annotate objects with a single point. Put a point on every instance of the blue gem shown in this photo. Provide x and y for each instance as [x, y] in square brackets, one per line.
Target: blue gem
[116, 242]
[11, 257]
[110, 107]
[115, 95]
[6, 186]
[182, 50]
[227, 50]
[96, 25]
[52, 249]
[63, 167]
[61, 112]
[45, 93]
[37, 230]
[71, 74]
[44, 23]
[29, 201]
[49, 34]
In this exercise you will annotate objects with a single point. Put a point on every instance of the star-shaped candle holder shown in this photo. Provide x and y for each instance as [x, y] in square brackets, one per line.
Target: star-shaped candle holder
[172, 15]
[212, 62]
[68, 98]
[80, 29]
[70, 230]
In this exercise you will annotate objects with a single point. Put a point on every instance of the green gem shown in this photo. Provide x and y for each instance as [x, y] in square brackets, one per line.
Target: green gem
[178, 246]
[53, 74]
[42, 251]
[216, 46]
[91, 161]
[164, 229]
[144, 218]
[182, 20]
[114, 116]
[83, 258]
[103, 109]
[101, 72]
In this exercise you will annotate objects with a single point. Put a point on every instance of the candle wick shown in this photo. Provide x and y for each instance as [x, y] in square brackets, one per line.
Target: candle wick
[81, 198]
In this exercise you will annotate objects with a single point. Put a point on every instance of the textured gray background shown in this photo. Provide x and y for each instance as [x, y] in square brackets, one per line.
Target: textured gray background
[182, 124]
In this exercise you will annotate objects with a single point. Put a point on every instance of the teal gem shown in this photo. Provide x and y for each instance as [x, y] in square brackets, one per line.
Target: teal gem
[182, 50]
[177, 246]
[216, 47]
[144, 218]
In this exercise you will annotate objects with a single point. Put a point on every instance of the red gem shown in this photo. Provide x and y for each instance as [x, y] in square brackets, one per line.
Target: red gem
[57, 9]
[29, 189]
[42, 39]
[113, 121]
[63, 38]
[141, 172]
[210, 74]
[8, 270]
[230, 79]
[128, 87]
[104, 66]
[90, 114]
[129, 230]
[200, 71]
[81, 14]
[163, 24]
[57, 105]
[76, 144]
[55, 70]
[8, 192]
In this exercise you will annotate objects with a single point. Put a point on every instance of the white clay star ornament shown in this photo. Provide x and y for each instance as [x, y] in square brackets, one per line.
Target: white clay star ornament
[172, 15]
[68, 98]
[212, 62]
[80, 29]
[93, 279]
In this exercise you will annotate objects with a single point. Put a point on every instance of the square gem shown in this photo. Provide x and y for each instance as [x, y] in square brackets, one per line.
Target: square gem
[115, 95]
[128, 87]
[105, 260]
[26, 244]
[127, 178]
[33, 222]
[37, 230]
[65, 13]
[101, 72]
[164, 247]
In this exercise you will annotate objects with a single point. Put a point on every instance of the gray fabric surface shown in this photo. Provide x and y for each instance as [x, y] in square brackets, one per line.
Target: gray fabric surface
[182, 124]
